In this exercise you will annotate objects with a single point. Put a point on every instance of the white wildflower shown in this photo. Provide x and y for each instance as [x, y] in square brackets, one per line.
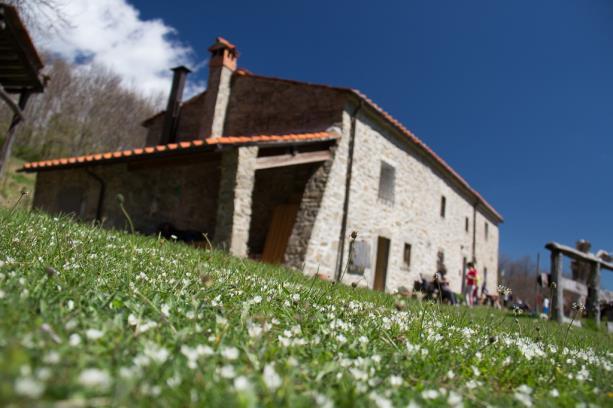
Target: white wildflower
[454, 399]
[95, 378]
[221, 321]
[358, 374]
[395, 381]
[74, 340]
[271, 378]
[29, 387]
[242, 384]
[230, 353]
[523, 398]
[554, 393]
[322, 401]
[227, 371]
[380, 401]
[583, 374]
[524, 389]
[430, 394]
[52, 357]
[93, 334]
[70, 304]
[156, 353]
[476, 371]
[165, 310]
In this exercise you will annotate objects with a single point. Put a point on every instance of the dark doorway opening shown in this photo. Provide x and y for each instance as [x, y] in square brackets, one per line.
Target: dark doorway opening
[383, 251]
[276, 196]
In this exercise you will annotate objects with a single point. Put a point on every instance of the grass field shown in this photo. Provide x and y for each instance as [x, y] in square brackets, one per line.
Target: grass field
[90, 317]
[13, 183]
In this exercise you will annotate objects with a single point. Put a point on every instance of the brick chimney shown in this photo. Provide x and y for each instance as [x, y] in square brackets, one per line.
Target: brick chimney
[222, 65]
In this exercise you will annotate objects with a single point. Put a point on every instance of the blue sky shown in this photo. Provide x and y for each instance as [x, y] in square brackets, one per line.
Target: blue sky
[515, 95]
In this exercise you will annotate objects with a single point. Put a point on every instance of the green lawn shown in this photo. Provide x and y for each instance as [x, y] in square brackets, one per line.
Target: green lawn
[90, 317]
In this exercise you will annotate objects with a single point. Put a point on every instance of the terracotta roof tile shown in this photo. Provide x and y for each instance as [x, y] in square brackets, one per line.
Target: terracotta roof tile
[107, 157]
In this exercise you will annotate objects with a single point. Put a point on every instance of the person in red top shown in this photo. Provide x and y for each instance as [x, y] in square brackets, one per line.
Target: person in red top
[472, 279]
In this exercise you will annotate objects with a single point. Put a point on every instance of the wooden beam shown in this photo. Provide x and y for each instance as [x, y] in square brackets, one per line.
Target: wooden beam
[11, 103]
[282, 160]
[578, 255]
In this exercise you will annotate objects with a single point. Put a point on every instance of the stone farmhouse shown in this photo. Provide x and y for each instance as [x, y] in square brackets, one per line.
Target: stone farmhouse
[283, 171]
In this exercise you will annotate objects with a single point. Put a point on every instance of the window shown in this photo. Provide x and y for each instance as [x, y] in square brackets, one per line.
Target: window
[360, 257]
[466, 224]
[406, 255]
[486, 229]
[387, 179]
[443, 205]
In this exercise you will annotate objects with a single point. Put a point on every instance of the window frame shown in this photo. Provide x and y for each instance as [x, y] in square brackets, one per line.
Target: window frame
[387, 183]
[407, 262]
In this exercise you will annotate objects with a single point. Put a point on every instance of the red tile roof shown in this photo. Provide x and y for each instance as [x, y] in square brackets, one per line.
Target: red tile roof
[180, 147]
[406, 132]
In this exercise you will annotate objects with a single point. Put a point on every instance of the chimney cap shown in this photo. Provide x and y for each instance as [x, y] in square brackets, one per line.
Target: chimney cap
[181, 68]
[222, 43]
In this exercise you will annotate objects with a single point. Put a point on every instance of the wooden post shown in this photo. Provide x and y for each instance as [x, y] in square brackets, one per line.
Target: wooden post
[593, 293]
[5, 152]
[557, 303]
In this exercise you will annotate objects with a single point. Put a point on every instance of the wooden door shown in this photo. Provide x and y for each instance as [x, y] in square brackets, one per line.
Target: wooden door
[383, 252]
[281, 225]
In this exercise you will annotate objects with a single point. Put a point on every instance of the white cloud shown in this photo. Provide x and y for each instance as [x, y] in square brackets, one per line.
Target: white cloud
[112, 33]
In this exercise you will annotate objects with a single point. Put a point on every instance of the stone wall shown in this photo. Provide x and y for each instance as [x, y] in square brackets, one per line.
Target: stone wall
[190, 120]
[183, 193]
[413, 217]
[235, 199]
[322, 251]
[267, 106]
[487, 250]
[310, 206]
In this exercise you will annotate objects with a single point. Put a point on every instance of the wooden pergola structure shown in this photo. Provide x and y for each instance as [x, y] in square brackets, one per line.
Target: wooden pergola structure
[20, 72]
[591, 290]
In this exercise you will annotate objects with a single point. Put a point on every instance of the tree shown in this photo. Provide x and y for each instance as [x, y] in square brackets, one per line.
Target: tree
[520, 277]
[81, 111]
[41, 15]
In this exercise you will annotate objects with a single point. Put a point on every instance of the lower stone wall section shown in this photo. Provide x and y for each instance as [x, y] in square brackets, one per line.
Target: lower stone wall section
[307, 214]
[184, 195]
[235, 193]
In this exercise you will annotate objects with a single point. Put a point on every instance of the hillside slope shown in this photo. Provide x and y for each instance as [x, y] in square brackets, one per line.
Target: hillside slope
[95, 317]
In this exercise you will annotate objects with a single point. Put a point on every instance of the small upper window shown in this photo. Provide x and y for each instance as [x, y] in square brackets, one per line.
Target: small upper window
[443, 205]
[466, 224]
[387, 180]
[406, 256]
[486, 229]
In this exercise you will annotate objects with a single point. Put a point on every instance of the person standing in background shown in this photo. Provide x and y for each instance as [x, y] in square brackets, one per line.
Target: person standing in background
[471, 283]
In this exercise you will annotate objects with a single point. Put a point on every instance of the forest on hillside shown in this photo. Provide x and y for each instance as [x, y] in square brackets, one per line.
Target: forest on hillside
[82, 110]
